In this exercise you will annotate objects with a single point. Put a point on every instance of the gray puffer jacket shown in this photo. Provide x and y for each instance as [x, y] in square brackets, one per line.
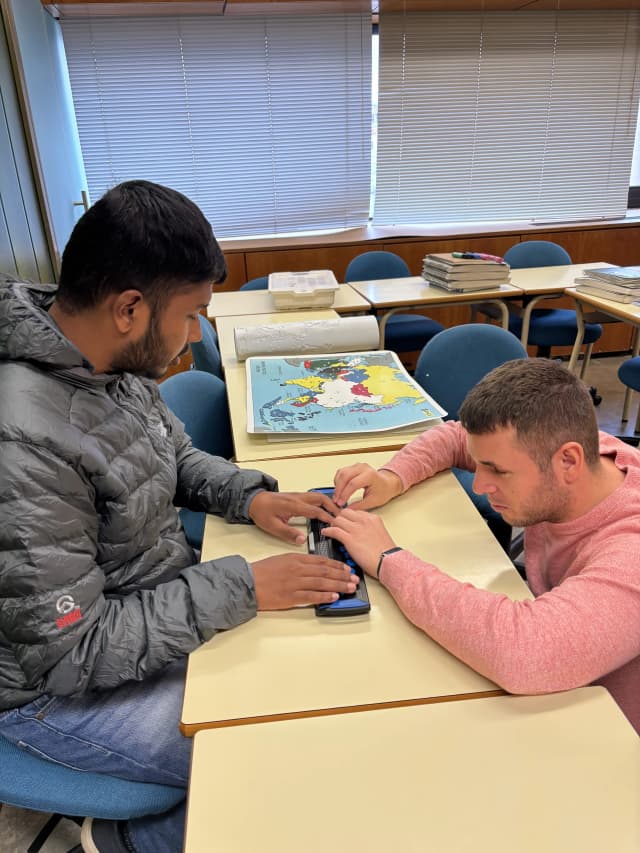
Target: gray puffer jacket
[98, 584]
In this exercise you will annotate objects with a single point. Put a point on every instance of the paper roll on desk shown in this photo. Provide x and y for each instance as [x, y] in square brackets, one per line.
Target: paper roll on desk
[346, 334]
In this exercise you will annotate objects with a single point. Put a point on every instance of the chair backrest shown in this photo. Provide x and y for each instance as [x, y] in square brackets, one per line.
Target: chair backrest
[456, 359]
[260, 283]
[536, 253]
[629, 373]
[372, 265]
[30, 782]
[199, 399]
[205, 352]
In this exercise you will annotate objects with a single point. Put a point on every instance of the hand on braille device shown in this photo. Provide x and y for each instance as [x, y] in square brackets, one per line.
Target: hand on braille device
[349, 604]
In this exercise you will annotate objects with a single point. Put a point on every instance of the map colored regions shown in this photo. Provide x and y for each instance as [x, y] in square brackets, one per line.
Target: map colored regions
[346, 392]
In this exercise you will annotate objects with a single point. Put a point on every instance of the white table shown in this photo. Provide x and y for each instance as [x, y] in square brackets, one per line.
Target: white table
[532, 774]
[237, 302]
[392, 295]
[539, 283]
[293, 663]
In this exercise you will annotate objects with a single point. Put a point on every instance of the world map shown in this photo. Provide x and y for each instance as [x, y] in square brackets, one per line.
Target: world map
[345, 392]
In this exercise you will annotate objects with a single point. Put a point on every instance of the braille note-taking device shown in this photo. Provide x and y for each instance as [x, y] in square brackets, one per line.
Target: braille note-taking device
[349, 604]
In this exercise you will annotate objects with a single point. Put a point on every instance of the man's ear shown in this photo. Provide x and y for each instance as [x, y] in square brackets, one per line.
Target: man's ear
[568, 461]
[129, 311]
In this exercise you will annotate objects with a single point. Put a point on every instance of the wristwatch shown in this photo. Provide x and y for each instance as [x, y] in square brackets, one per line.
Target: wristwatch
[383, 555]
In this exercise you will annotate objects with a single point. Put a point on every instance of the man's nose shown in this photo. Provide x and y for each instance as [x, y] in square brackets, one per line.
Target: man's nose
[482, 484]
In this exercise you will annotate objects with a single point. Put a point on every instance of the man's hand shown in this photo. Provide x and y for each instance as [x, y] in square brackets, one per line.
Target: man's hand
[272, 510]
[291, 580]
[379, 486]
[364, 536]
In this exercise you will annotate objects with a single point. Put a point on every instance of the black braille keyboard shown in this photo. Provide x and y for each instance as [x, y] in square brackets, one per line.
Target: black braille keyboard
[349, 604]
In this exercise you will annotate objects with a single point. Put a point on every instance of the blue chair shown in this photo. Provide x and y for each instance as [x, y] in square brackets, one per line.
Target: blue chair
[549, 327]
[29, 782]
[629, 375]
[199, 400]
[205, 352]
[260, 283]
[447, 368]
[403, 332]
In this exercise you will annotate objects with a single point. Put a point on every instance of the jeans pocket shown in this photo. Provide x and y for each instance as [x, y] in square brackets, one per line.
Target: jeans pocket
[41, 754]
[39, 708]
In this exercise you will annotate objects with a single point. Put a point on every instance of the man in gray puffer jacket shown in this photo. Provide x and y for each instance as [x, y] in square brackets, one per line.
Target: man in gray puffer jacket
[101, 596]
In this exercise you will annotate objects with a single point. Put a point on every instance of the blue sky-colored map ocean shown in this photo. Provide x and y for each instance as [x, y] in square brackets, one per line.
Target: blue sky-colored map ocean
[337, 393]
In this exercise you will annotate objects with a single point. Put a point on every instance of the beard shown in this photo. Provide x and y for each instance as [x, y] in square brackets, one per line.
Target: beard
[551, 504]
[148, 357]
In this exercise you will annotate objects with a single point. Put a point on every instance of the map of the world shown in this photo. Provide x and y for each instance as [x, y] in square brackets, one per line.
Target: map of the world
[345, 392]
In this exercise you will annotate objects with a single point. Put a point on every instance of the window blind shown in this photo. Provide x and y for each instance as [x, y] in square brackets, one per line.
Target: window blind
[505, 116]
[264, 123]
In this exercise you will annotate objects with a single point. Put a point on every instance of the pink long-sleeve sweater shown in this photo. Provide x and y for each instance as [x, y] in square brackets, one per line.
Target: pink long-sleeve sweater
[582, 627]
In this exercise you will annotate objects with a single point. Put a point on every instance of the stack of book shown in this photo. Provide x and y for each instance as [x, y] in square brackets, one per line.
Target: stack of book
[464, 274]
[620, 284]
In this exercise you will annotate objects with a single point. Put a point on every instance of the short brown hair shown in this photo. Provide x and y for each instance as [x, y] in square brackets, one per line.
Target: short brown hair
[545, 403]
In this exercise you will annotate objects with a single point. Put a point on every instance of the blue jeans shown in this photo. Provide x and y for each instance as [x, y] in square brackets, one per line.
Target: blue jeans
[130, 732]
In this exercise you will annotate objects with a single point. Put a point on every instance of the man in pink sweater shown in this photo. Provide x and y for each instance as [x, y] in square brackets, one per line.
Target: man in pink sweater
[529, 432]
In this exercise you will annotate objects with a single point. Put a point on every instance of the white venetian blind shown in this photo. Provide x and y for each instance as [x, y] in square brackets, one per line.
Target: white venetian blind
[506, 116]
[264, 123]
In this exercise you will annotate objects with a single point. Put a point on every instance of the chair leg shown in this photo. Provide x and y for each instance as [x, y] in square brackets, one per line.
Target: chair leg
[635, 351]
[585, 360]
[43, 836]
[627, 403]
[44, 833]
[637, 426]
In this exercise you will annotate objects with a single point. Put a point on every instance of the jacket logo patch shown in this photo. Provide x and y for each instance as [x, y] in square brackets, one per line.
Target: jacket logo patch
[66, 606]
[69, 618]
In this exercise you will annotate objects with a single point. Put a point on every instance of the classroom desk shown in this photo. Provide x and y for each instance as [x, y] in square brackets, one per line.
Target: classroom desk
[539, 283]
[293, 663]
[238, 302]
[620, 311]
[397, 294]
[551, 773]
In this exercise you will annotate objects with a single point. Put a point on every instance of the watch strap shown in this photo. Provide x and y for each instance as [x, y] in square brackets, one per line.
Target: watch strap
[383, 555]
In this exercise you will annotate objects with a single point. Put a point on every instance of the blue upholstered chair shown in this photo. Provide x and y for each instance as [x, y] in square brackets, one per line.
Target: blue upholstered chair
[448, 367]
[404, 332]
[29, 782]
[260, 283]
[629, 375]
[199, 400]
[549, 327]
[205, 352]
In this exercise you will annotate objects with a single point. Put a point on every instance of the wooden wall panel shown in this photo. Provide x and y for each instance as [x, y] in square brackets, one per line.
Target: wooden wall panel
[327, 257]
[618, 245]
[569, 240]
[236, 271]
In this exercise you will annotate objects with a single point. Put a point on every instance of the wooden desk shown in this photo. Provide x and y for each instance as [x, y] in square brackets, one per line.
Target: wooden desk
[538, 283]
[398, 294]
[624, 312]
[293, 663]
[516, 773]
[618, 312]
[238, 302]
